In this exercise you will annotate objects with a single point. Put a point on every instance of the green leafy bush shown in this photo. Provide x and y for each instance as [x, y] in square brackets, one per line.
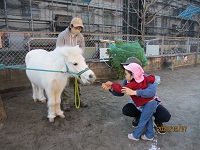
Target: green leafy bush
[120, 51]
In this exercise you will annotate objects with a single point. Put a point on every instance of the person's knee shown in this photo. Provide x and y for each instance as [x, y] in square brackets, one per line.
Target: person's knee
[163, 118]
[131, 111]
[125, 111]
[167, 117]
[162, 114]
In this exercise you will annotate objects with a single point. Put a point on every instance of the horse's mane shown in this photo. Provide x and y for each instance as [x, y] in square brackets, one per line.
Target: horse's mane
[70, 50]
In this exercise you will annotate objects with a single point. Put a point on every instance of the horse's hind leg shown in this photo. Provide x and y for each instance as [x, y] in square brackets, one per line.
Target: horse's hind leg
[57, 107]
[51, 105]
[35, 92]
[42, 98]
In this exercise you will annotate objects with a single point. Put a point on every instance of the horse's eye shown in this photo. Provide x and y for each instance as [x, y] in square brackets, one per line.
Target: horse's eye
[75, 64]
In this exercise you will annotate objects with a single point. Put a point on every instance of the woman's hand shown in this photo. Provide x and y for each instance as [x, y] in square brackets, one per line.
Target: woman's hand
[106, 87]
[128, 91]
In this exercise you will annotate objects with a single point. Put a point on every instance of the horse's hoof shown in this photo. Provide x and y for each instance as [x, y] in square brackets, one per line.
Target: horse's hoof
[35, 100]
[62, 116]
[44, 101]
[51, 119]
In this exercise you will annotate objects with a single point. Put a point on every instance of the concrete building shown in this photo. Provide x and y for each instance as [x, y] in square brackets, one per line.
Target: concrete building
[99, 16]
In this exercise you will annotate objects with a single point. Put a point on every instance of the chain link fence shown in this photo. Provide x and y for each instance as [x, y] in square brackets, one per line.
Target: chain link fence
[15, 45]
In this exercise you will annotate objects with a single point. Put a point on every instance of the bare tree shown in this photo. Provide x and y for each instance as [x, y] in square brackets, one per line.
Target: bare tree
[145, 15]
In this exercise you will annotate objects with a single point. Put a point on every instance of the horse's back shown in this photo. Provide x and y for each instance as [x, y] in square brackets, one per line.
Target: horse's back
[37, 53]
[35, 60]
[43, 60]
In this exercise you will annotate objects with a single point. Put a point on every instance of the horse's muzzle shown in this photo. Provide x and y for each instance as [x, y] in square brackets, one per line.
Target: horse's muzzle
[92, 78]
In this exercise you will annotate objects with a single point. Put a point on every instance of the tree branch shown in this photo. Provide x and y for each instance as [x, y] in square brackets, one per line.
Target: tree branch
[126, 22]
[142, 2]
[156, 14]
[136, 11]
[130, 25]
[164, 7]
[152, 2]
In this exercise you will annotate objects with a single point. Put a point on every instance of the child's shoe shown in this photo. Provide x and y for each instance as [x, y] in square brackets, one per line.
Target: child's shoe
[131, 137]
[158, 128]
[145, 138]
[135, 122]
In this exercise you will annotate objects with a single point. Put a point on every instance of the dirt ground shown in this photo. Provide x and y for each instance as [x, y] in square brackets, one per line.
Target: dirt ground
[102, 125]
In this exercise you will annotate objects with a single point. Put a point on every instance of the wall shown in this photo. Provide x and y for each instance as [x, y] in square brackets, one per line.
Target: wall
[154, 63]
[174, 61]
[171, 61]
[13, 79]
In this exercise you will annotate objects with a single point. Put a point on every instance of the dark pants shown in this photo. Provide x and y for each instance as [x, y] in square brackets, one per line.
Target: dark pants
[161, 115]
[65, 97]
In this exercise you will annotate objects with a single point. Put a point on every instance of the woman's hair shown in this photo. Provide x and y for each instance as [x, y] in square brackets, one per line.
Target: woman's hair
[70, 26]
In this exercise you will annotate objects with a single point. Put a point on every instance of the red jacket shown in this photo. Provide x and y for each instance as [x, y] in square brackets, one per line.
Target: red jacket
[138, 100]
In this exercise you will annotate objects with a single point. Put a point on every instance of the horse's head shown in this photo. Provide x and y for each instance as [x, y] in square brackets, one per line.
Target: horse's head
[76, 65]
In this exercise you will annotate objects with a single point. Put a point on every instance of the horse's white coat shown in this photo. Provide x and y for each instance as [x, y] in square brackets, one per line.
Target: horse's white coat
[54, 82]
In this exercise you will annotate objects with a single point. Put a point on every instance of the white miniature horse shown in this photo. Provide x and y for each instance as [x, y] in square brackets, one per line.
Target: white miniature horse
[66, 59]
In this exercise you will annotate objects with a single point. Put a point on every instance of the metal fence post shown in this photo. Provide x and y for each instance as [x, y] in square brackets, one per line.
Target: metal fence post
[188, 45]
[162, 48]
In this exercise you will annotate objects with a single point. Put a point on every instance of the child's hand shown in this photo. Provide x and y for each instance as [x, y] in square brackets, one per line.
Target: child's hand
[109, 83]
[128, 91]
[106, 87]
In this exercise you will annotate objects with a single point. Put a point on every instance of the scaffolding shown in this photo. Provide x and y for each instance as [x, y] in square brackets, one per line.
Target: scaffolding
[169, 24]
[99, 16]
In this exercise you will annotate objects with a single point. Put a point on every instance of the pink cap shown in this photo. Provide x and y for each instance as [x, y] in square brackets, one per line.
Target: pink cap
[138, 72]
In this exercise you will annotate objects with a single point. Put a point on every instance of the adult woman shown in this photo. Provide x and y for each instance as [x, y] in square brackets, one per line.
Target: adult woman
[71, 36]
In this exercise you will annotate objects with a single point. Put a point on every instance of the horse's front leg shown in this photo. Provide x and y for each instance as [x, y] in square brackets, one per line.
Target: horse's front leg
[51, 105]
[35, 92]
[57, 105]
